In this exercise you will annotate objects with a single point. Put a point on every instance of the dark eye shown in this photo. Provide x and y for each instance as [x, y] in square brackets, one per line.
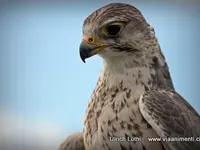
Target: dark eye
[113, 29]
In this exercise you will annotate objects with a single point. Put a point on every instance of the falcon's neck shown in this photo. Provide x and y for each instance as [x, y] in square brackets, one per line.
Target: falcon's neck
[128, 71]
[137, 73]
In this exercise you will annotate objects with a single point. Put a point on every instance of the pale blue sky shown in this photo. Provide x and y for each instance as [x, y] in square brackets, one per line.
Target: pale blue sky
[42, 76]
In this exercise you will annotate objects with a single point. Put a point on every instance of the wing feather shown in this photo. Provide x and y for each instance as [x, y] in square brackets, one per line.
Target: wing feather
[73, 142]
[170, 115]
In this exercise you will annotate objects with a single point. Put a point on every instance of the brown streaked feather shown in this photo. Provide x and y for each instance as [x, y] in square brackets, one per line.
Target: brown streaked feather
[125, 11]
[171, 116]
[162, 77]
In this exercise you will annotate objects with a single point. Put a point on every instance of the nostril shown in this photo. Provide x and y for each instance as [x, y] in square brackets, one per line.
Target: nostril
[90, 39]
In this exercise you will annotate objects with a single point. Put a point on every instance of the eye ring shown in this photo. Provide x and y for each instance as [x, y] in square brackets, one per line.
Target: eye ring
[113, 29]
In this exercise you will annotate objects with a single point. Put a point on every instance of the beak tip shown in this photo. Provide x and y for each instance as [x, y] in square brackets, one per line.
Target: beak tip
[82, 57]
[86, 50]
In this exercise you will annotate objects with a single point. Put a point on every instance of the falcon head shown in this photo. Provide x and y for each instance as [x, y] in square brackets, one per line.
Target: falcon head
[116, 30]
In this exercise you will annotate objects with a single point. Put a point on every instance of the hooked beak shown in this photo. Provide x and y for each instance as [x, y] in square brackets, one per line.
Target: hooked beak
[89, 47]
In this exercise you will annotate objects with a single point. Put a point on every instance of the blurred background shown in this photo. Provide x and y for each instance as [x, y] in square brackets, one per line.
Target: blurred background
[45, 87]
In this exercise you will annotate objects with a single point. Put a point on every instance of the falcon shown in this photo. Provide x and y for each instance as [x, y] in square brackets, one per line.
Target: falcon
[134, 101]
